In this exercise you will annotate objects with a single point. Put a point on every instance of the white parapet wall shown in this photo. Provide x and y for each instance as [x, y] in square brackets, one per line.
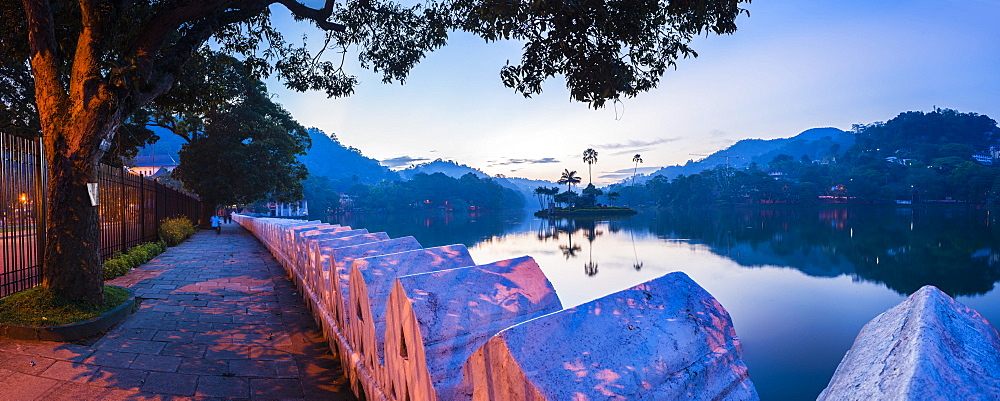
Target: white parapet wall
[435, 321]
[404, 321]
[666, 339]
[929, 347]
[371, 282]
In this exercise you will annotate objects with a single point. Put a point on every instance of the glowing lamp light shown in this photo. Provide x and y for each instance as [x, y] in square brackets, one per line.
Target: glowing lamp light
[24, 198]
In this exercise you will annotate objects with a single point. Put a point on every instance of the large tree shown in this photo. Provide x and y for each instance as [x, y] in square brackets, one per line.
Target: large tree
[95, 62]
[241, 146]
[246, 152]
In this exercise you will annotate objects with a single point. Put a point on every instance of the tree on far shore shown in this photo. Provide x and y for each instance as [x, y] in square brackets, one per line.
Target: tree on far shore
[569, 178]
[590, 157]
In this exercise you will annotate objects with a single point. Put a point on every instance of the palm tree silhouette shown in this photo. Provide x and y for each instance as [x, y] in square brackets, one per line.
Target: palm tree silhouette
[590, 268]
[590, 157]
[637, 159]
[569, 178]
[569, 251]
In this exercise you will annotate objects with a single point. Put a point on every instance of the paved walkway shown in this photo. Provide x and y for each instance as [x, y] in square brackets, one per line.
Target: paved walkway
[219, 320]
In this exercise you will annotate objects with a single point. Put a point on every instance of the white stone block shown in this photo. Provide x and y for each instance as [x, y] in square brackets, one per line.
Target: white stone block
[371, 282]
[340, 268]
[929, 347]
[666, 339]
[436, 320]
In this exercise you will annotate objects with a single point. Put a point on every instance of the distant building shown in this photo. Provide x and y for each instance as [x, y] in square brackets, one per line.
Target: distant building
[157, 165]
[288, 209]
[898, 160]
[985, 160]
[986, 157]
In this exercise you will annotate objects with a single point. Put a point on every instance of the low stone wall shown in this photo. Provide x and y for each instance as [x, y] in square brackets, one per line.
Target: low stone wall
[929, 347]
[414, 324]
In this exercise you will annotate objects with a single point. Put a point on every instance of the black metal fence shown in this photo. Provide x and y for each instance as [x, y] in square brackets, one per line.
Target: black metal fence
[22, 169]
[131, 208]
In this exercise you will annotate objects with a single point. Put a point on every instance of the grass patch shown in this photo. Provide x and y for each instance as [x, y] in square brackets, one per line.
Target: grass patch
[41, 307]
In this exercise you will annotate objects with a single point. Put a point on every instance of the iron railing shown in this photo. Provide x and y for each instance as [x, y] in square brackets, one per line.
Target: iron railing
[131, 208]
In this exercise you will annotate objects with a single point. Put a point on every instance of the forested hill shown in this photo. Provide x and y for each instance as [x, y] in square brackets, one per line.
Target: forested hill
[815, 143]
[329, 158]
[922, 137]
[940, 156]
[449, 168]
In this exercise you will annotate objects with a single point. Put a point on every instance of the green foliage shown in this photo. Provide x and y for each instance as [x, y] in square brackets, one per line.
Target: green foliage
[241, 146]
[545, 195]
[908, 158]
[121, 263]
[42, 307]
[436, 192]
[322, 195]
[587, 211]
[569, 178]
[174, 230]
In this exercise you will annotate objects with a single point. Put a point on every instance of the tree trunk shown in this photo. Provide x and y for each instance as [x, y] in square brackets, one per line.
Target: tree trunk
[72, 265]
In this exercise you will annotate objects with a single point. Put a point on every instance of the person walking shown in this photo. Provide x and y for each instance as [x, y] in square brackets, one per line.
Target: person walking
[216, 224]
[229, 215]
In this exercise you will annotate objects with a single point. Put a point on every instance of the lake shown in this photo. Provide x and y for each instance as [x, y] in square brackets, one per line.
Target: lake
[799, 282]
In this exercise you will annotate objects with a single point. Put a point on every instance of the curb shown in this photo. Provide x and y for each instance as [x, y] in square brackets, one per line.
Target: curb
[75, 331]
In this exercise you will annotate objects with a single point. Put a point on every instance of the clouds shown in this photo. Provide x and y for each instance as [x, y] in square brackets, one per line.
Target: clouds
[634, 145]
[620, 175]
[543, 160]
[402, 161]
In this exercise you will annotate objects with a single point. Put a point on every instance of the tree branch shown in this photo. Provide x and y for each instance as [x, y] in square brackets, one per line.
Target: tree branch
[161, 75]
[319, 16]
[43, 45]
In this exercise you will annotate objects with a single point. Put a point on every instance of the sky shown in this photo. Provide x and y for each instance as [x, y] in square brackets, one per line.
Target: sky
[790, 66]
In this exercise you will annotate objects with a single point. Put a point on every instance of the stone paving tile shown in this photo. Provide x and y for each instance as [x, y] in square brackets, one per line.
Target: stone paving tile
[69, 391]
[69, 371]
[218, 319]
[125, 379]
[170, 383]
[157, 363]
[276, 388]
[197, 366]
[111, 359]
[20, 386]
[184, 350]
[219, 386]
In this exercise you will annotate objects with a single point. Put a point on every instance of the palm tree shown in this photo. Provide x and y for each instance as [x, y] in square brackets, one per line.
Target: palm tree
[637, 159]
[613, 195]
[540, 195]
[569, 178]
[590, 157]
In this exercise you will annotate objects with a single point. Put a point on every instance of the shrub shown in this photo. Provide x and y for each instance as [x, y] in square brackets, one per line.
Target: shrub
[175, 230]
[121, 263]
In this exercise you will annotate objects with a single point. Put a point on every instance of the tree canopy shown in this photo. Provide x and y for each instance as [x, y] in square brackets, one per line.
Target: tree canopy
[95, 63]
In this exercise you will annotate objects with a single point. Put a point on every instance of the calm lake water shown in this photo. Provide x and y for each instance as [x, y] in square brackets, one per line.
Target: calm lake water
[799, 283]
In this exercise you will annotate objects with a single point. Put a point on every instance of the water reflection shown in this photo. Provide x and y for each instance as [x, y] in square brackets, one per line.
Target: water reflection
[436, 229]
[955, 249]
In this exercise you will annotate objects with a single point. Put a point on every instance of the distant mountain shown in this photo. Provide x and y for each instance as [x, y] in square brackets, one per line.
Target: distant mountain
[169, 144]
[815, 143]
[331, 159]
[448, 168]
[524, 186]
